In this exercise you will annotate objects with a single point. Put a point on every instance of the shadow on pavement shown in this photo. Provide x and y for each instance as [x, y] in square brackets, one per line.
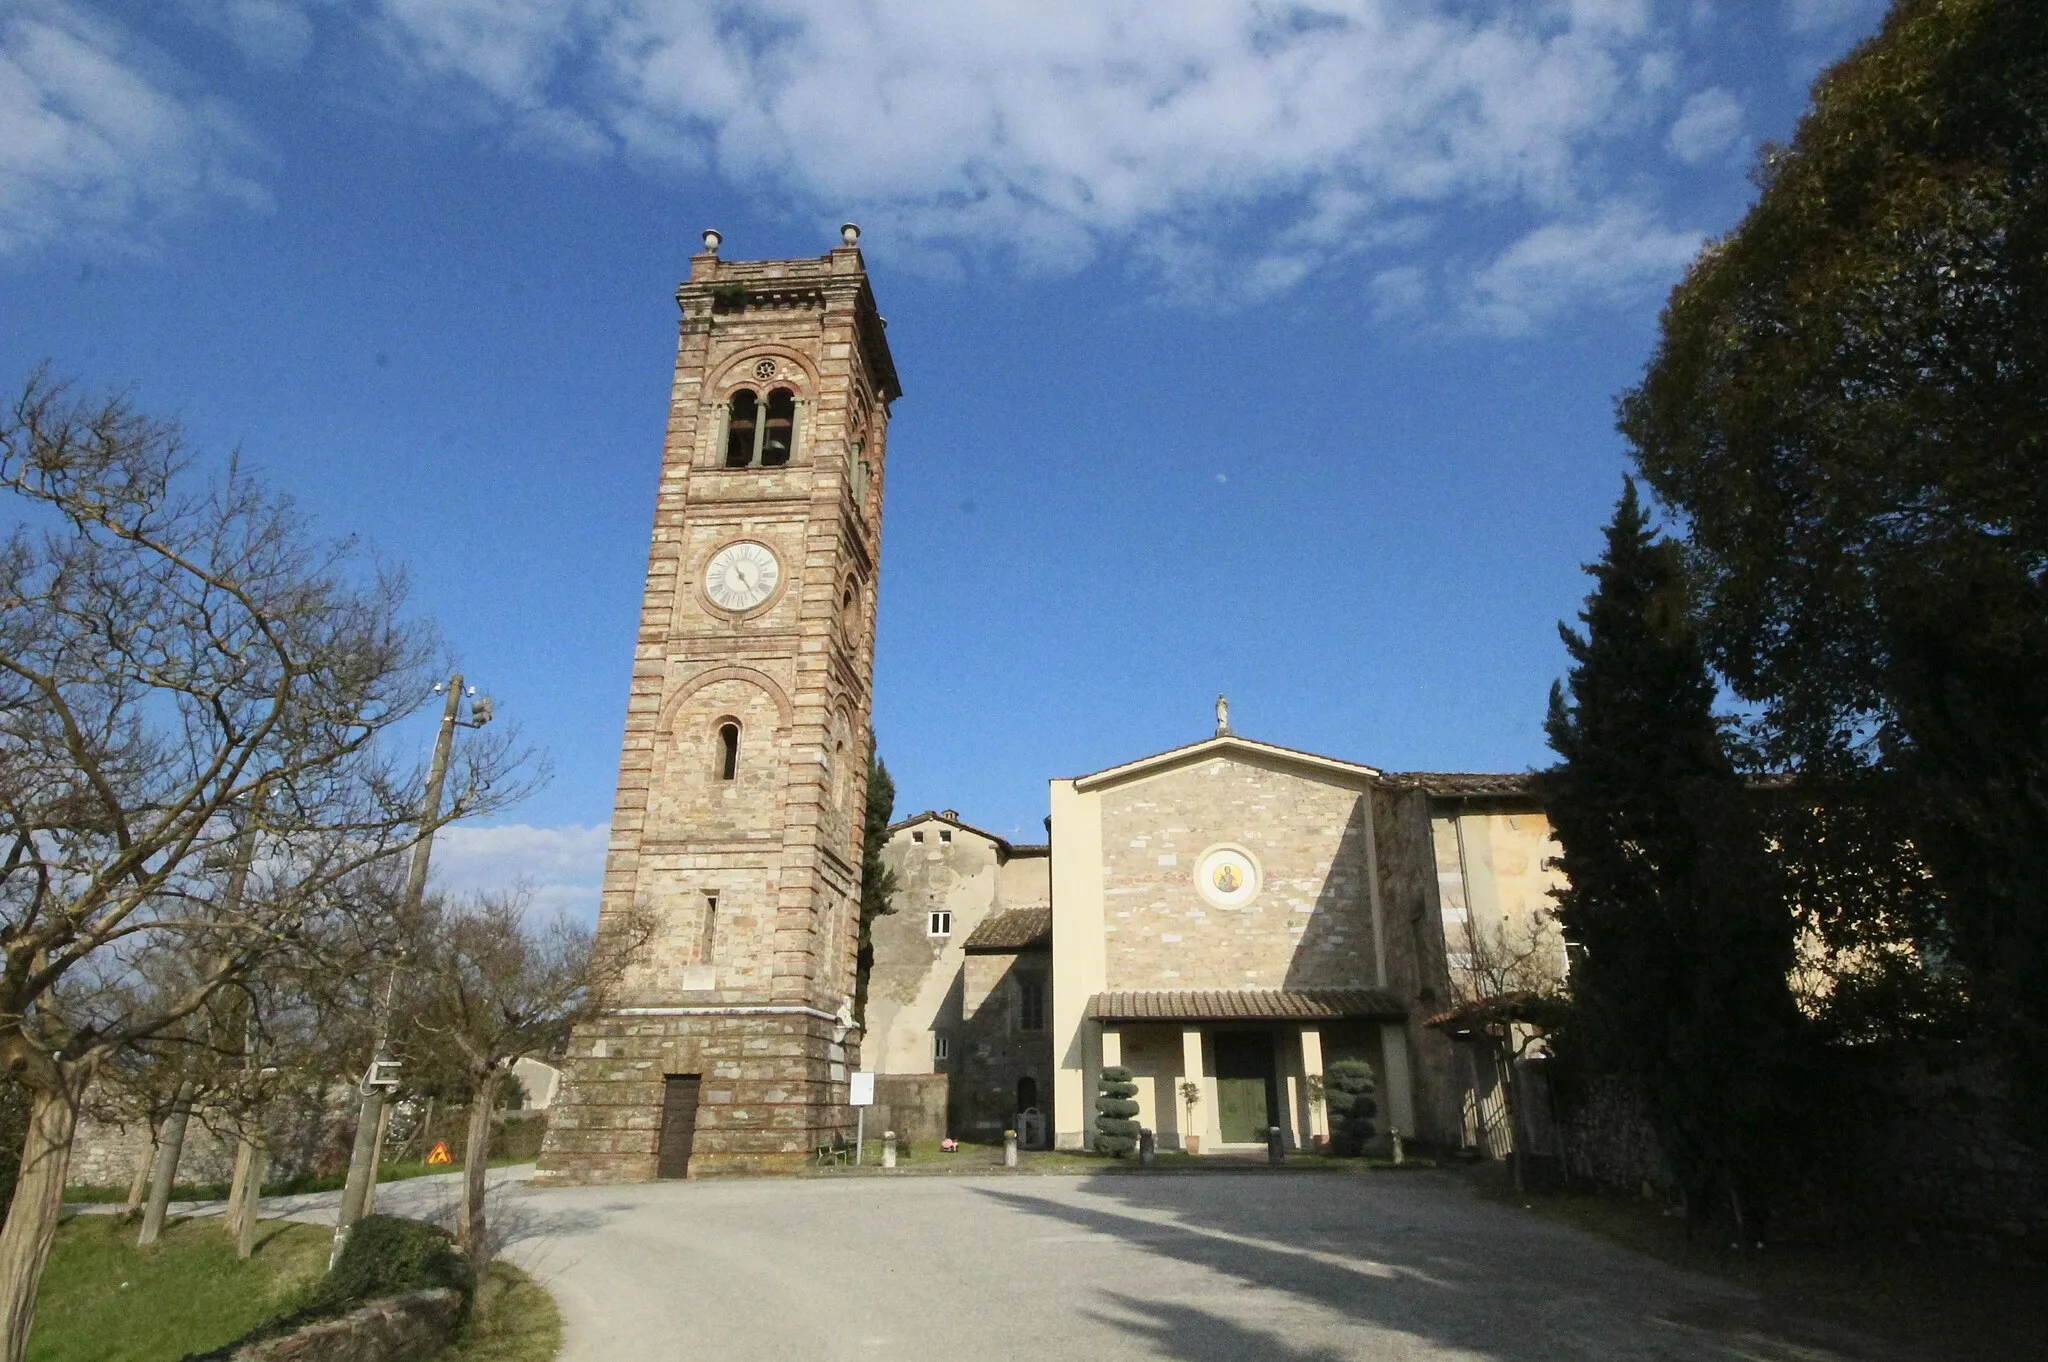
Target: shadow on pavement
[1428, 1262]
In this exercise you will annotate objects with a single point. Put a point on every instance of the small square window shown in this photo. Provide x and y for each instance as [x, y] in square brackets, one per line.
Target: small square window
[939, 923]
[917, 837]
[945, 834]
[942, 1048]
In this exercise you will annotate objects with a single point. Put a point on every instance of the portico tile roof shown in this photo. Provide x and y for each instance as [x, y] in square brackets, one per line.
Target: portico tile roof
[1245, 1004]
[1018, 929]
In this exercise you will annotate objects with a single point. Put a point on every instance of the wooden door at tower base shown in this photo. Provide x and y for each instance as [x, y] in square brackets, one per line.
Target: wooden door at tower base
[678, 1126]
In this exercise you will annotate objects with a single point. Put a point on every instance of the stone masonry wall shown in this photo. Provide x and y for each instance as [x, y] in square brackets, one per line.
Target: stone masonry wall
[772, 1088]
[1310, 926]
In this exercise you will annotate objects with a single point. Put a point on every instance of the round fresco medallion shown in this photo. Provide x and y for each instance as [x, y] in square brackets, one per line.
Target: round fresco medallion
[1227, 876]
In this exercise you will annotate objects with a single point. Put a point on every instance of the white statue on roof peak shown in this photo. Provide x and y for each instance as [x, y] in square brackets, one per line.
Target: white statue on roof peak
[1222, 717]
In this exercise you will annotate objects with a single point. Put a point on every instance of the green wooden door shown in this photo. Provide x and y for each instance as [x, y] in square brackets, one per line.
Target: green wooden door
[1244, 1086]
[1241, 1110]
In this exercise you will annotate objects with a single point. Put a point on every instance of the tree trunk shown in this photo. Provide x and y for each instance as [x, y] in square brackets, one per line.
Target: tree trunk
[231, 1217]
[168, 1151]
[38, 1203]
[252, 1197]
[140, 1185]
[470, 1230]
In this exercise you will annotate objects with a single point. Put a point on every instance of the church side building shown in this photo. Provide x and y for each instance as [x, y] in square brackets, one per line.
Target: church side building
[960, 990]
[735, 845]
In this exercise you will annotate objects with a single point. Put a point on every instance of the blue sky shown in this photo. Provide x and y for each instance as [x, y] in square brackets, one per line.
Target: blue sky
[1247, 348]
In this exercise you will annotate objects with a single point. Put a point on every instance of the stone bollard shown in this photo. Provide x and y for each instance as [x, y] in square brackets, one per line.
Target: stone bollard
[888, 1149]
[1009, 1149]
[1276, 1152]
[1400, 1155]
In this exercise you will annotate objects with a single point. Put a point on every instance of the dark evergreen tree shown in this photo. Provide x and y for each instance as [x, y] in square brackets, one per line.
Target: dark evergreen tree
[877, 881]
[1682, 940]
[1348, 1096]
[1116, 1126]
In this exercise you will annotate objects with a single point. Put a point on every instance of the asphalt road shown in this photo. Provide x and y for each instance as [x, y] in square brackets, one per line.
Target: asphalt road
[1206, 1267]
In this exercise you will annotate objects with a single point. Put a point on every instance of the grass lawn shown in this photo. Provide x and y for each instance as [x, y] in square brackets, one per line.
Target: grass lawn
[105, 1300]
[517, 1321]
[1951, 1306]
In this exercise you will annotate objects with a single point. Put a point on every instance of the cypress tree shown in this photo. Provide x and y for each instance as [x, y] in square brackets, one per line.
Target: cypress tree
[1681, 940]
[877, 881]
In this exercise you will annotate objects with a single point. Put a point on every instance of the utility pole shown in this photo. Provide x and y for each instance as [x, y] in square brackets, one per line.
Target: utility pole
[381, 1075]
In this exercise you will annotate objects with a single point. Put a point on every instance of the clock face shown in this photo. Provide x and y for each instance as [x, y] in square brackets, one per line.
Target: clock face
[741, 576]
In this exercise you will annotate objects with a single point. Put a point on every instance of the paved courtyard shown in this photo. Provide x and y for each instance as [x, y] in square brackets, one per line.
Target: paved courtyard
[1300, 1268]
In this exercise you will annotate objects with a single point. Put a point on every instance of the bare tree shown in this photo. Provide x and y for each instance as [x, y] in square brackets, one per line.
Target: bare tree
[170, 644]
[1506, 959]
[491, 987]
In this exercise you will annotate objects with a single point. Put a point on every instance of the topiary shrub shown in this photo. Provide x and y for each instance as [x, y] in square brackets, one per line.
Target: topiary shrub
[1348, 1091]
[1116, 1134]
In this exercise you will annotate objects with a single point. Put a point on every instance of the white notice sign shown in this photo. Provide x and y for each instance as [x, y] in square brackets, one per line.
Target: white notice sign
[863, 1094]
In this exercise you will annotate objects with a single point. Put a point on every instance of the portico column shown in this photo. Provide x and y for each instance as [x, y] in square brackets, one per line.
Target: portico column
[1112, 1047]
[1191, 1072]
[1312, 1075]
[1397, 1092]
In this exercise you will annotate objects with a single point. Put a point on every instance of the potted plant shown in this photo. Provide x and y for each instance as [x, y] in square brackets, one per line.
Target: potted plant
[1190, 1098]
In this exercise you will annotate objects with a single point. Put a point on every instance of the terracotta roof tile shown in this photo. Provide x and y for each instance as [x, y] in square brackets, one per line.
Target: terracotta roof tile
[1016, 930]
[1245, 1004]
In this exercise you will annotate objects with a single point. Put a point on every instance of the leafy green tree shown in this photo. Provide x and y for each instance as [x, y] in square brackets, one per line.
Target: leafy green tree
[877, 880]
[1847, 408]
[1349, 1096]
[1683, 935]
[1116, 1125]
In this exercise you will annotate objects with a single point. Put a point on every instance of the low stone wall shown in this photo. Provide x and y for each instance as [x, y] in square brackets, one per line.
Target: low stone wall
[1925, 1144]
[912, 1105]
[305, 1134]
[417, 1324]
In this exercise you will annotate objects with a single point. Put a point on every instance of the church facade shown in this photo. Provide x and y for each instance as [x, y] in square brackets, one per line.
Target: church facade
[1224, 920]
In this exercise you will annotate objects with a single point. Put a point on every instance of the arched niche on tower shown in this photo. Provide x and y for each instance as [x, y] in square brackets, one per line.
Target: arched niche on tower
[720, 756]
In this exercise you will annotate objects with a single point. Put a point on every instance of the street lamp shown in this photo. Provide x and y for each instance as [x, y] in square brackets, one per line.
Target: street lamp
[382, 1075]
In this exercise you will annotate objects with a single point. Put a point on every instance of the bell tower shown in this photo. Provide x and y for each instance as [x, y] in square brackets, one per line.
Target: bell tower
[736, 832]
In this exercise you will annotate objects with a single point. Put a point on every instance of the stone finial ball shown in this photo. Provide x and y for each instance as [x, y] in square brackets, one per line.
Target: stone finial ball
[849, 232]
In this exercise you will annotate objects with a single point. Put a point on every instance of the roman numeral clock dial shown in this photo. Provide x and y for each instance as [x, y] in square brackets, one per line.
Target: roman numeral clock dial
[741, 576]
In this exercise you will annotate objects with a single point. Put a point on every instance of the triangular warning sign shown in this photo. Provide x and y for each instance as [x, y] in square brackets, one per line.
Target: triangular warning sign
[438, 1154]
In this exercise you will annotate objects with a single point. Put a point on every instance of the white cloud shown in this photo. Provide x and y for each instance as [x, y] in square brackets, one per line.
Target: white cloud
[276, 34]
[562, 867]
[1615, 257]
[95, 144]
[1233, 147]
[1708, 127]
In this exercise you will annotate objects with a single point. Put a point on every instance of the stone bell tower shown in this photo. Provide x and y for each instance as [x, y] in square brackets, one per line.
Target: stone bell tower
[736, 833]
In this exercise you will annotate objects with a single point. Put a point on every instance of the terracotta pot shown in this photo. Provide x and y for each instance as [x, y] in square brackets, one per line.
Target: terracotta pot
[1194, 1144]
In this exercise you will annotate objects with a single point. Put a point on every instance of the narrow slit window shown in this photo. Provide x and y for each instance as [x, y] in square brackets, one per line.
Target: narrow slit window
[710, 936]
[1030, 1005]
[728, 751]
[942, 1048]
[741, 424]
[779, 437]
